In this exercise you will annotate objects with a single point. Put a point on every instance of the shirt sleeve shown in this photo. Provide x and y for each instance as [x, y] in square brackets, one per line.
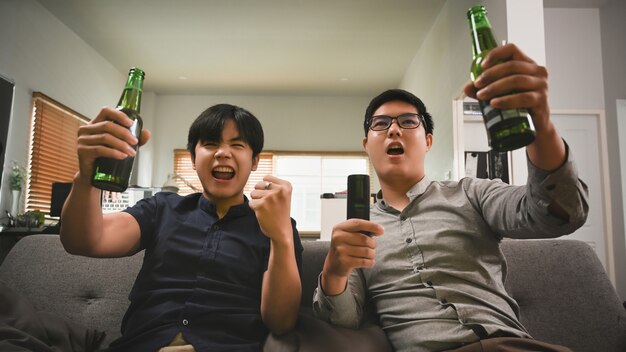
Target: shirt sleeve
[144, 212]
[562, 187]
[522, 211]
[344, 309]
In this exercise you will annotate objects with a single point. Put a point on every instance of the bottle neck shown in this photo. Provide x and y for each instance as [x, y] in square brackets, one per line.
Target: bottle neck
[482, 36]
[131, 97]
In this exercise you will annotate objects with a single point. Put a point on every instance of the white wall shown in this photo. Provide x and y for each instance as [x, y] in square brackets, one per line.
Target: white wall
[613, 31]
[574, 58]
[142, 170]
[436, 75]
[300, 123]
[40, 54]
[618, 241]
[525, 24]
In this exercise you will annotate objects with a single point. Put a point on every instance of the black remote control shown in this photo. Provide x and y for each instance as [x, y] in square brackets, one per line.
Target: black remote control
[358, 197]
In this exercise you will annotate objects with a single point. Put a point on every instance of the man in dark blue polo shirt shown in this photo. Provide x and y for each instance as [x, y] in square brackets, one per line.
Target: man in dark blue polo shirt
[220, 271]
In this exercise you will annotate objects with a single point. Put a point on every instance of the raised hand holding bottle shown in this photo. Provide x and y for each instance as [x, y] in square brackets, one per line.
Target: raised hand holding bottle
[506, 129]
[111, 174]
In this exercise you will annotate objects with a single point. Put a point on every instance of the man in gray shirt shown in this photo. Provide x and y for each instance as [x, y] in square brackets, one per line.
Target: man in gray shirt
[432, 268]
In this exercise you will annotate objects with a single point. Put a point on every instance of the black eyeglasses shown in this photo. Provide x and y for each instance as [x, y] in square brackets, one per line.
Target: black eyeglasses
[406, 121]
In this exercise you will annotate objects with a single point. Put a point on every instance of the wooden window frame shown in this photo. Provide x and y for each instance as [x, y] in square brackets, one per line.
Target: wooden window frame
[52, 155]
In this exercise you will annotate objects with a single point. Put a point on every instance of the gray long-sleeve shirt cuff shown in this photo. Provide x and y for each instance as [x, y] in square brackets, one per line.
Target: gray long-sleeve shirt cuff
[563, 187]
[342, 309]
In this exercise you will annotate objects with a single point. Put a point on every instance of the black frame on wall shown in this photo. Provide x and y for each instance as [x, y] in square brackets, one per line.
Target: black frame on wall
[488, 164]
[6, 101]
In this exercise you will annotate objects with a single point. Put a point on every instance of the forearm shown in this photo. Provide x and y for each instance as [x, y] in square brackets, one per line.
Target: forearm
[81, 218]
[547, 152]
[282, 288]
[333, 285]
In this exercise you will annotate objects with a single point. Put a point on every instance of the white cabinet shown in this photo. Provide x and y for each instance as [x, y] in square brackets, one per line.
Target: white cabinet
[333, 212]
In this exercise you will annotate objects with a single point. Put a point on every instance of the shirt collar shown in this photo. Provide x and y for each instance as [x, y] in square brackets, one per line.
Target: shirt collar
[417, 190]
[237, 210]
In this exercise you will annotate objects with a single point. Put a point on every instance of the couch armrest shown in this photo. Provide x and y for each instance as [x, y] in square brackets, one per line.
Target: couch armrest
[312, 335]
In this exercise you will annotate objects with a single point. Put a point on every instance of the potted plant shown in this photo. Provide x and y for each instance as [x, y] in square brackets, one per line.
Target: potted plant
[16, 182]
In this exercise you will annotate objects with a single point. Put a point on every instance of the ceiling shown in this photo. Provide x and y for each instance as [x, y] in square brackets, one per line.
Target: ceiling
[258, 47]
[268, 47]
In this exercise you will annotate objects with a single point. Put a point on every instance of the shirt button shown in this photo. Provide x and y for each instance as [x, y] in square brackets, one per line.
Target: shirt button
[402, 218]
[429, 283]
[409, 240]
[185, 322]
[215, 227]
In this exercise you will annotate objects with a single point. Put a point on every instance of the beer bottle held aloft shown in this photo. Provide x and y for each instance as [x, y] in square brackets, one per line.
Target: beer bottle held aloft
[506, 129]
[112, 174]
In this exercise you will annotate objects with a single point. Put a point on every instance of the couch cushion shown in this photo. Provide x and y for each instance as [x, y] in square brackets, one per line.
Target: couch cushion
[565, 295]
[90, 291]
[22, 327]
[314, 335]
[313, 256]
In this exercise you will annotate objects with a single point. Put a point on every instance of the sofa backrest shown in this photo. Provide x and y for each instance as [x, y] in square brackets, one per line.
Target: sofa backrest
[90, 291]
[565, 296]
[312, 263]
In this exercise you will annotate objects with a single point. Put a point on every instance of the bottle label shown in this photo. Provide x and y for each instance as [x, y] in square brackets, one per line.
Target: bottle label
[492, 116]
[511, 113]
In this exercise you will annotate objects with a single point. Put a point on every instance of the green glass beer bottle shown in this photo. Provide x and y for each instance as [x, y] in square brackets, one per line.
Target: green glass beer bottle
[506, 129]
[111, 174]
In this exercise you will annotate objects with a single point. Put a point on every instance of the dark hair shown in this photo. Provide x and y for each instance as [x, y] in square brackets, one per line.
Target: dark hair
[398, 95]
[210, 124]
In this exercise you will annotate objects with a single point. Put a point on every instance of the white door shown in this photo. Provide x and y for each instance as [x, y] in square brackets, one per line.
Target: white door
[621, 130]
[582, 133]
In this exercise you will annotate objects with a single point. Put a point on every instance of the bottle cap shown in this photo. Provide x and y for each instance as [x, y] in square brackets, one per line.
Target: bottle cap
[137, 69]
[476, 9]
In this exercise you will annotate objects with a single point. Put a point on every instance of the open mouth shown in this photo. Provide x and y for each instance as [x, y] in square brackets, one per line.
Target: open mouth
[223, 173]
[395, 149]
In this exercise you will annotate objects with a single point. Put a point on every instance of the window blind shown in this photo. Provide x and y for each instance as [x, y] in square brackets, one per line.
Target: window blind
[183, 167]
[52, 149]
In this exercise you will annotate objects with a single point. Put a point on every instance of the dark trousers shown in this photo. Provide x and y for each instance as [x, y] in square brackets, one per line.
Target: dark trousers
[511, 344]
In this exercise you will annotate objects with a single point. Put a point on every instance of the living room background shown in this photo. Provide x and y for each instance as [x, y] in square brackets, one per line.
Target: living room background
[70, 71]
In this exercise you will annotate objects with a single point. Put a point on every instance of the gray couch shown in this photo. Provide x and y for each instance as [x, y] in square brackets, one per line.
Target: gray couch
[563, 291]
